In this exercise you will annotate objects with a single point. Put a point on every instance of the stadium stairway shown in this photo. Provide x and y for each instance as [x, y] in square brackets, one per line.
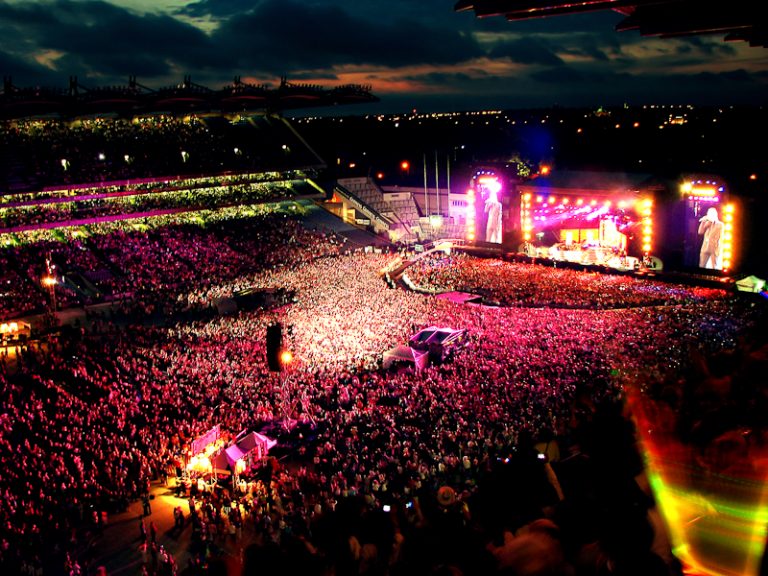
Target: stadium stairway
[82, 286]
[318, 217]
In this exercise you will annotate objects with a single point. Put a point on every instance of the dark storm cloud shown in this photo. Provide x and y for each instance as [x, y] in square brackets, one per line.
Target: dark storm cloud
[282, 36]
[96, 39]
[418, 51]
[447, 79]
[547, 41]
[566, 75]
[101, 39]
[526, 51]
[20, 69]
[593, 48]
[315, 76]
[593, 23]
[437, 12]
[217, 8]
[708, 46]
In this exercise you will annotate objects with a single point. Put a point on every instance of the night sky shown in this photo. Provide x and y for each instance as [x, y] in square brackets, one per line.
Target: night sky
[415, 55]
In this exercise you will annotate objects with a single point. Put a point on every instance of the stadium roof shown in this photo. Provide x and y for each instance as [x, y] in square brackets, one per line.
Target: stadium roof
[738, 20]
[186, 97]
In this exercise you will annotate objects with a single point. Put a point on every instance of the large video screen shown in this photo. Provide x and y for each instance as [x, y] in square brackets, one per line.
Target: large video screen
[708, 233]
[611, 231]
[708, 224]
[488, 190]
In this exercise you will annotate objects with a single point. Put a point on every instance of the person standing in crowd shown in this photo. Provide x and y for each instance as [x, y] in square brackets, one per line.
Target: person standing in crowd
[146, 505]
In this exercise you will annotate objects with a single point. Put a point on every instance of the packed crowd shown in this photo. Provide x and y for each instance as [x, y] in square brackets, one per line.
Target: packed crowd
[162, 184]
[136, 201]
[517, 284]
[40, 153]
[149, 258]
[92, 417]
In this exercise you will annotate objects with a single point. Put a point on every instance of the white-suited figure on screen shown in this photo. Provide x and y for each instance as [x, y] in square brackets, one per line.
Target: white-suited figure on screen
[711, 228]
[493, 210]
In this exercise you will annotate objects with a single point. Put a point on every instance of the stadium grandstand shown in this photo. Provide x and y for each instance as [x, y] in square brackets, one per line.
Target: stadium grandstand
[39, 153]
[135, 98]
[78, 167]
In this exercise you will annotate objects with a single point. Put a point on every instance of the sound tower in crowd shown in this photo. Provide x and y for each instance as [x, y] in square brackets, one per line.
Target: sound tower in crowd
[274, 345]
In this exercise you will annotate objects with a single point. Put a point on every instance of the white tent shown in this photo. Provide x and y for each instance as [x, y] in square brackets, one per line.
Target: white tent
[407, 355]
[256, 442]
[252, 445]
[751, 284]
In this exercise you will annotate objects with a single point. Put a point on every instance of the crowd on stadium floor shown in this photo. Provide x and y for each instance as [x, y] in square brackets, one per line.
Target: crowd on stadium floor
[520, 284]
[450, 450]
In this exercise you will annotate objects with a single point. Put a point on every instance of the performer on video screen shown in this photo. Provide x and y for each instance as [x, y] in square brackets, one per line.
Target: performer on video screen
[711, 228]
[493, 210]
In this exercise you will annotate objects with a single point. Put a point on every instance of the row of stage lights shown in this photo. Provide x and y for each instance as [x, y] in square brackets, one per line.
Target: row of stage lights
[646, 212]
[471, 235]
[526, 219]
[728, 218]
[621, 204]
